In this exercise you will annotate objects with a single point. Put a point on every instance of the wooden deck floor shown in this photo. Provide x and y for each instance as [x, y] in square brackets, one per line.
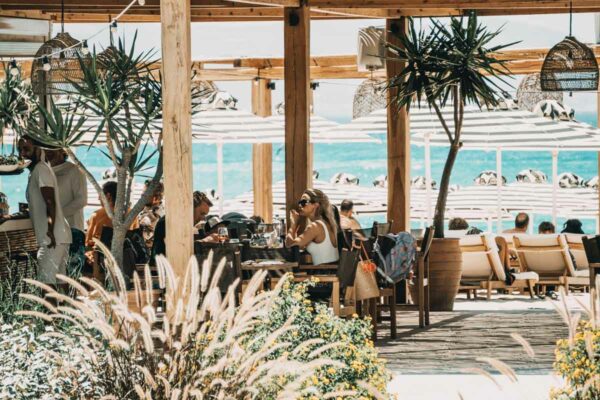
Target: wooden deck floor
[455, 339]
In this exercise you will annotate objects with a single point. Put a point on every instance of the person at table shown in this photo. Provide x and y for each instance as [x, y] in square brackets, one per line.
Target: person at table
[202, 205]
[152, 213]
[521, 224]
[212, 225]
[320, 236]
[52, 230]
[100, 218]
[347, 220]
[72, 191]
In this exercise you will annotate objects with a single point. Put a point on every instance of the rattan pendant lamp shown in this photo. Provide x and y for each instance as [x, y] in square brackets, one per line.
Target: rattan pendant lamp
[56, 63]
[570, 65]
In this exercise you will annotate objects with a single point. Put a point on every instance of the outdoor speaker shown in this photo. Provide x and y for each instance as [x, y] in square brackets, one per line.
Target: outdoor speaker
[371, 47]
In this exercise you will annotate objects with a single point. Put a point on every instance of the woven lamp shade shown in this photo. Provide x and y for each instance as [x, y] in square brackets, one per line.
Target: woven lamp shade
[369, 96]
[64, 66]
[569, 66]
[529, 93]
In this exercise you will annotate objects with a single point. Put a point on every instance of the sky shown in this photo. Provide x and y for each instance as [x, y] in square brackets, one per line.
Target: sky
[333, 98]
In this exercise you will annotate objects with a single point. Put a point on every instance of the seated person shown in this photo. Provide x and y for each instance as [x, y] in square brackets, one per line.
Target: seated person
[213, 223]
[100, 218]
[521, 224]
[320, 236]
[347, 220]
[546, 228]
[151, 213]
[573, 226]
[202, 206]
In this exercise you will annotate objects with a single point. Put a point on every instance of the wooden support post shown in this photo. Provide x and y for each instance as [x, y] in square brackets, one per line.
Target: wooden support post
[297, 102]
[177, 125]
[262, 155]
[398, 144]
[598, 126]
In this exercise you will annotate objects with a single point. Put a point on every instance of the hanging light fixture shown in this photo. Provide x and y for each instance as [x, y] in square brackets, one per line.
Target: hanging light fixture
[570, 65]
[142, 2]
[84, 48]
[56, 63]
[14, 68]
[46, 64]
[114, 27]
[369, 96]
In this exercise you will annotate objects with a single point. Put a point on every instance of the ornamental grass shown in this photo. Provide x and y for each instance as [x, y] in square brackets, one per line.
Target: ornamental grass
[204, 345]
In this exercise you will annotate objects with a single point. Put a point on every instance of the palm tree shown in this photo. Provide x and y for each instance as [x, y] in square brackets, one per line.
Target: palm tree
[447, 66]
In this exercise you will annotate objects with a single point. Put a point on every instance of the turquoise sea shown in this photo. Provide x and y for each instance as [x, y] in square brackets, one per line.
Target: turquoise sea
[366, 161]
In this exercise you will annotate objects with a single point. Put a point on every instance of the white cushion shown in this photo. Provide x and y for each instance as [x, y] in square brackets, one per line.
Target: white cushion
[530, 275]
[574, 238]
[582, 273]
[456, 233]
[471, 240]
[538, 240]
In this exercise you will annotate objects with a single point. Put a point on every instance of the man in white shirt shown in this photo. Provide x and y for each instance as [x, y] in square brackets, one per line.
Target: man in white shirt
[72, 191]
[52, 231]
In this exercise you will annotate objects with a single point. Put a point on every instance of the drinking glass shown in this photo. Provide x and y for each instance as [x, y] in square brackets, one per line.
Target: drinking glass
[223, 234]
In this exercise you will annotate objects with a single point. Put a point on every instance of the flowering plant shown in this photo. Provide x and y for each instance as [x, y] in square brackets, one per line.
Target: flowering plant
[345, 341]
[578, 361]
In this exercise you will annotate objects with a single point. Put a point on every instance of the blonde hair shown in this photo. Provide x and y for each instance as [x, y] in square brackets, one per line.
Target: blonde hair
[325, 210]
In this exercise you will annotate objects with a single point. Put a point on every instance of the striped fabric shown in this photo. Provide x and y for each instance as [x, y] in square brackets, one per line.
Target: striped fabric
[504, 129]
[472, 202]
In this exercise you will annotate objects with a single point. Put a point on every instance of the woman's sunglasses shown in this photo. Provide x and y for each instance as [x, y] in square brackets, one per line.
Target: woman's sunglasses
[302, 203]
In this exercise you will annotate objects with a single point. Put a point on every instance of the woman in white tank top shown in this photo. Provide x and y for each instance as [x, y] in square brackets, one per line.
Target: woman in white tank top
[320, 236]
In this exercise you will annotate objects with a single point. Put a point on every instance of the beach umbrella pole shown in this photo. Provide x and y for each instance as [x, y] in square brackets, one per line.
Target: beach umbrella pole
[220, 176]
[554, 184]
[499, 188]
[428, 177]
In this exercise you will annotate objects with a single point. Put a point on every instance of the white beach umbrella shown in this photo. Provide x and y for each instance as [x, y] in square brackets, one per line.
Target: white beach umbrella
[490, 130]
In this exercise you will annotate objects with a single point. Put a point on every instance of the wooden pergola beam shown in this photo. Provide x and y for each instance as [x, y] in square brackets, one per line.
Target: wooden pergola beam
[519, 62]
[296, 32]
[457, 4]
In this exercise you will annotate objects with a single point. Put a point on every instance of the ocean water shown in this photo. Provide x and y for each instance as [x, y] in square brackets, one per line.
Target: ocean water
[366, 161]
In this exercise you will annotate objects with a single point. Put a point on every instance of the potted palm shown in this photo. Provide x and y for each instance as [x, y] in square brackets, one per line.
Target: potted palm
[447, 66]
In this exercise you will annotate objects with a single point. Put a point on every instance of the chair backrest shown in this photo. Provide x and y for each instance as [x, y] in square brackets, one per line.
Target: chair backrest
[233, 266]
[548, 255]
[592, 249]
[576, 248]
[426, 242]
[480, 258]
[457, 233]
[381, 228]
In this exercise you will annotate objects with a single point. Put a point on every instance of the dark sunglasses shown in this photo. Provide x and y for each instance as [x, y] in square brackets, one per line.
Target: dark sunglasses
[302, 203]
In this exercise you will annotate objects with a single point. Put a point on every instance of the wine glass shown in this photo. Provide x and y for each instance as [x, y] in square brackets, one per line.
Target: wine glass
[223, 234]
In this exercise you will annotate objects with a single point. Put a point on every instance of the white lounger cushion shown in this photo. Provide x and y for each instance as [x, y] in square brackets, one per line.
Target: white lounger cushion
[576, 247]
[529, 275]
[481, 265]
[552, 260]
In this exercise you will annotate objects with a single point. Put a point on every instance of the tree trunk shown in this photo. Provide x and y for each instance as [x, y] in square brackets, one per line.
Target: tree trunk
[117, 246]
[440, 207]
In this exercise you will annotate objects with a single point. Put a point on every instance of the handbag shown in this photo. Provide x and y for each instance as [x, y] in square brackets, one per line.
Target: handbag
[365, 282]
[346, 272]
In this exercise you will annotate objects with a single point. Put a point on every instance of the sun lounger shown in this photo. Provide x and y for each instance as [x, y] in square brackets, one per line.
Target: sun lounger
[548, 256]
[483, 269]
[575, 243]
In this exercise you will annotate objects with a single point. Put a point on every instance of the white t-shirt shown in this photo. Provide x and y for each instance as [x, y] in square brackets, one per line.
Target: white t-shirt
[43, 176]
[72, 190]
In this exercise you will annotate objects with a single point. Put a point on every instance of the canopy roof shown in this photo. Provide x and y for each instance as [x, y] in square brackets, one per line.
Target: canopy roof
[239, 126]
[267, 10]
[498, 129]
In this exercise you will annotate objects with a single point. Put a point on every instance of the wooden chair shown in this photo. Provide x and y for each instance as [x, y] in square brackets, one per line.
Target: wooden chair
[482, 268]
[233, 267]
[592, 253]
[577, 250]
[423, 277]
[548, 256]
